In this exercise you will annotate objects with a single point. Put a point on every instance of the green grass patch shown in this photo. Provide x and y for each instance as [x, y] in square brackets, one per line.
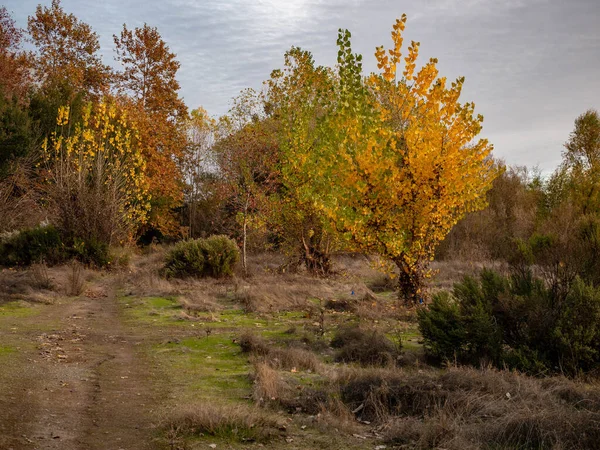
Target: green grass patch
[6, 350]
[17, 309]
[207, 367]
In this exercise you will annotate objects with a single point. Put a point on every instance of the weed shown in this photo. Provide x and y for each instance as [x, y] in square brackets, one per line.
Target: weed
[233, 422]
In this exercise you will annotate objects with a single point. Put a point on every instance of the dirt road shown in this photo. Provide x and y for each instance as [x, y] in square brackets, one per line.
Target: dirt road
[73, 377]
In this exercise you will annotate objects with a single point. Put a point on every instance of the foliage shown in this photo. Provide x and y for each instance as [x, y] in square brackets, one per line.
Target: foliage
[33, 245]
[299, 97]
[68, 59]
[16, 127]
[186, 259]
[95, 181]
[15, 79]
[149, 80]
[215, 256]
[516, 321]
[391, 162]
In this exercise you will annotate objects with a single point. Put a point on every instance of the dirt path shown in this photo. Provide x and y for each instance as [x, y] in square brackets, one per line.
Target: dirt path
[77, 379]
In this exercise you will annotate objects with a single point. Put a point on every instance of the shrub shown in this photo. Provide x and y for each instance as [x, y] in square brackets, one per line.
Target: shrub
[31, 246]
[442, 328]
[221, 254]
[215, 256]
[91, 252]
[368, 348]
[186, 259]
[516, 321]
[233, 422]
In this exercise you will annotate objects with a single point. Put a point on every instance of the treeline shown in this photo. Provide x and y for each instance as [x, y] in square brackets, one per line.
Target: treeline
[552, 222]
[321, 159]
[66, 71]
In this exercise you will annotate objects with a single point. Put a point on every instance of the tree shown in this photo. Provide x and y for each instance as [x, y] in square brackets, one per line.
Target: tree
[299, 98]
[94, 173]
[581, 160]
[198, 163]
[15, 80]
[67, 63]
[149, 79]
[394, 164]
[246, 154]
[16, 128]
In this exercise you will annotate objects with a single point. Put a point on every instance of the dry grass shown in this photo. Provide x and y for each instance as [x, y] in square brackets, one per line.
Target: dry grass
[366, 347]
[481, 408]
[75, 279]
[235, 422]
[40, 276]
[290, 358]
[268, 385]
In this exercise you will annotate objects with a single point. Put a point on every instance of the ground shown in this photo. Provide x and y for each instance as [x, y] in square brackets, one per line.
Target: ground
[102, 370]
[125, 359]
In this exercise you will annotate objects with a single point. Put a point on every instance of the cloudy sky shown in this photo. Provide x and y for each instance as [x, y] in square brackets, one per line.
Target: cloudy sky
[531, 66]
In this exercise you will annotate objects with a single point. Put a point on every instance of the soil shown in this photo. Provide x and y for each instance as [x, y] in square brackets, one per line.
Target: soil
[78, 378]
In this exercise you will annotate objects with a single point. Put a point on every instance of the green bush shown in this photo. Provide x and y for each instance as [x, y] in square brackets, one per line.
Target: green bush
[33, 245]
[220, 254]
[215, 256]
[442, 328]
[185, 260]
[91, 252]
[517, 321]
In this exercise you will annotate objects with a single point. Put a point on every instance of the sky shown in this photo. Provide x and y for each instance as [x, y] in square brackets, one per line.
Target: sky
[531, 66]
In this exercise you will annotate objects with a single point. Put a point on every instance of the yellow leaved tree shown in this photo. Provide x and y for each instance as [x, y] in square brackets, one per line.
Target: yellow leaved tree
[396, 164]
[94, 170]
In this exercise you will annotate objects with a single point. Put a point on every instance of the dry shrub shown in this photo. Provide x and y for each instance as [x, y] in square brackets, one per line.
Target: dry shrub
[149, 283]
[366, 347]
[198, 301]
[268, 385]
[382, 283]
[75, 279]
[276, 357]
[469, 408]
[293, 358]
[340, 305]
[236, 422]
[253, 344]
[19, 197]
[268, 296]
[40, 277]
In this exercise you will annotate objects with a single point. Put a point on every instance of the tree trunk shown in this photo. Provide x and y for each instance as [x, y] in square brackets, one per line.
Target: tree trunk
[244, 235]
[317, 261]
[410, 282]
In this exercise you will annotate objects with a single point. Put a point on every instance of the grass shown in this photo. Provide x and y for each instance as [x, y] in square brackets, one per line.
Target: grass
[289, 370]
[18, 309]
[240, 423]
[207, 367]
[6, 350]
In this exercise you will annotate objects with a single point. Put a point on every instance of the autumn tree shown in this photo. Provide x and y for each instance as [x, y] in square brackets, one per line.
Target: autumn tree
[95, 182]
[396, 163]
[15, 79]
[246, 153]
[299, 98]
[67, 64]
[198, 164]
[16, 128]
[149, 79]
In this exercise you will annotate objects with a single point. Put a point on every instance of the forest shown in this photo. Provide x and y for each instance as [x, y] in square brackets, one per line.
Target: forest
[340, 261]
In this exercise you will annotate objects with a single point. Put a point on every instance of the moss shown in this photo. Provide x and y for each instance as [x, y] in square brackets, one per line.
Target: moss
[6, 350]
[17, 309]
[211, 367]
